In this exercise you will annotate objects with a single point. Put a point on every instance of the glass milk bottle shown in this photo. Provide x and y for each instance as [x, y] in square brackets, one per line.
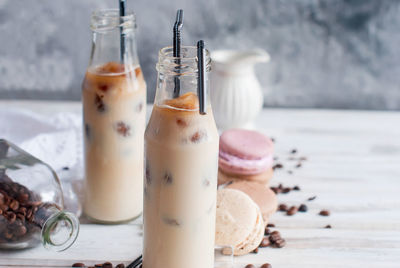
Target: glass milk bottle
[181, 170]
[114, 102]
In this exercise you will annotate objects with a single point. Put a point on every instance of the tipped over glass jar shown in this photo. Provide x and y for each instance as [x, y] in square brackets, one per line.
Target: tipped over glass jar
[31, 203]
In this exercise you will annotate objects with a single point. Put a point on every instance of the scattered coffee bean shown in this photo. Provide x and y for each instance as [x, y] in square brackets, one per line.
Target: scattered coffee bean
[303, 158]
[78, 264]
[328, 226]
[267, 231]
[270, 225]
[298, 165]
[296, 188]
[273, 139]
[290, 172]
[98, 265]
[312, 198]
[264, 243]
[294, 151]
[286, 190]
[282, 207]
[280, 243]
[292, 210]
[255, 251]
[324, 212]
[303, 208]
[250, 266]
[121, 265]
[65, 168]
[266, 265]
[277, 166]
[107, 265]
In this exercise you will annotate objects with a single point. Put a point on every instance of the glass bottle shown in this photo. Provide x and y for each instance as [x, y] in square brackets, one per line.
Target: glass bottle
[31, 203]
[114, 104]
[181, 170]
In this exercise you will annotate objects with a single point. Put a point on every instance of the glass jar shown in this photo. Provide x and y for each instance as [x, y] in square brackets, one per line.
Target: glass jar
[114, 109]
[31, 203]
[181, 169]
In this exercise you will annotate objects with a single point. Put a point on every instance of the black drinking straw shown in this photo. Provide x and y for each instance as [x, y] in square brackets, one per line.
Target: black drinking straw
[201, 78]
[135, 263]
[177, 48]
[122, 7]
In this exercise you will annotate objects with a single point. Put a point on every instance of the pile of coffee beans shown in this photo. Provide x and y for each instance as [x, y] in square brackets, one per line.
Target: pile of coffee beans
[21, 211]
[103, 265]
[271, 239]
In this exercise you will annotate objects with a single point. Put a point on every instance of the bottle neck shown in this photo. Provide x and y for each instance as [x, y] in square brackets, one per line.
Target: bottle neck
[178, 76]
[59, 229]
[113, 38]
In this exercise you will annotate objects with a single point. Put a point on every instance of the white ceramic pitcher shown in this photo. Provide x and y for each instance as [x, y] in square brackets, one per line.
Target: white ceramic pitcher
[236, 95]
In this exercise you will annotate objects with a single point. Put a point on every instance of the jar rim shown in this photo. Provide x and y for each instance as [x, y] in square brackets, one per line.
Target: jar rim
[103, 20]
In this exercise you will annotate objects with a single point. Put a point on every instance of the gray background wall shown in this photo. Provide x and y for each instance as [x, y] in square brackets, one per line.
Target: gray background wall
[327, 53]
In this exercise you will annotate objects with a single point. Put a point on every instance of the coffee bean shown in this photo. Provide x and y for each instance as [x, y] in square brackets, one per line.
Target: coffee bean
[296, 188]
[65, 168]
[312, 198]
[292, 210]
[286, 190]
[280, 243]
[14, 205]
[250, 266]
[255, 251]
[266, 265]
[11, 216]
[23, 198]
[78, 264]
[328, 226]
[98, 265]
[324, 213]
[264, 243]
[290, 172]
[277, 166]
[298, 165]
[121, 265]
[270, 225]
[293, 151]
[303, 158]
[1, 199]
[4, 207]
[303, 208]
[266, 231]
[107, 265]
[282, 207]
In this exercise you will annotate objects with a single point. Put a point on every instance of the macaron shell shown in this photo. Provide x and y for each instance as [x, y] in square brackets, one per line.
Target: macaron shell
[263, 178]
[236, 217]
[262, 195]
[243, 167]
[246, 144]
[254, 240]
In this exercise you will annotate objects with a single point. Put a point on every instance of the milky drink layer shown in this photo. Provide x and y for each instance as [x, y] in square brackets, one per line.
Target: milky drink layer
[114, 104]
[180, 186]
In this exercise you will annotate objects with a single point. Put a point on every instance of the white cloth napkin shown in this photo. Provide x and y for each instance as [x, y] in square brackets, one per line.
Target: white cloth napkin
[56, 140]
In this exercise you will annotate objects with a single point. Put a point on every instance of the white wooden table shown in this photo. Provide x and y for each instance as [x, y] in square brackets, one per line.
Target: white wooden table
[353, 168]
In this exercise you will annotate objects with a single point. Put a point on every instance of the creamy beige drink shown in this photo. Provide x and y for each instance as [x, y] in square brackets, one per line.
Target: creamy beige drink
[114, 102]
[180, 185]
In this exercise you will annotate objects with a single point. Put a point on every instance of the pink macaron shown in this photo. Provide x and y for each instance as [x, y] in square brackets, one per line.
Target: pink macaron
[245, 152]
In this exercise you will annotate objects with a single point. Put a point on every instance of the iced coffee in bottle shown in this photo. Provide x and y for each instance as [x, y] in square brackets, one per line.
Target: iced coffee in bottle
[114, 104]
[181, 171]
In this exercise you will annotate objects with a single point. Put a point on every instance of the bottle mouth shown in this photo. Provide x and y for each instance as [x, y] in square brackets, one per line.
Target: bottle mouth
[105, 20]
[184, 65]
[60, 231]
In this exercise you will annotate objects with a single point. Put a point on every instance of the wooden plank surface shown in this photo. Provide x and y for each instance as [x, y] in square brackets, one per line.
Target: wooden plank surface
[353, 168]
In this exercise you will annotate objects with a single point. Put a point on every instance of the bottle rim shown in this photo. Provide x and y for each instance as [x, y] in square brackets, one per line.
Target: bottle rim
[51, 229]
[184, 65]
[105, 20]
